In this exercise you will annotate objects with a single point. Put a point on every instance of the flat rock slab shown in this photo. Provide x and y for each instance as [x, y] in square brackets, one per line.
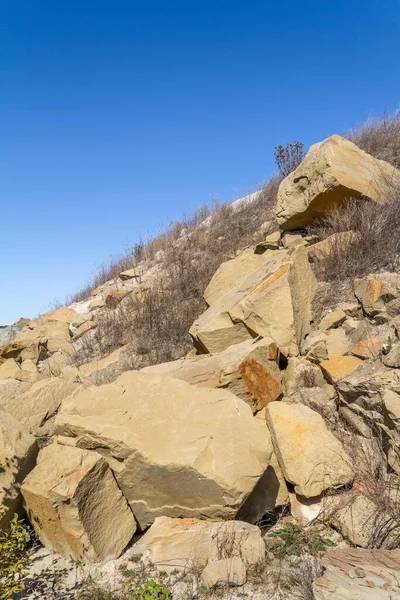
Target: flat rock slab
[176, 449]
[250, 370]
[355, 574]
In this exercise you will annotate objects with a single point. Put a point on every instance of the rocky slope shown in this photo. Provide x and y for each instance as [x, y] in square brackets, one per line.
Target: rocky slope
[284, 412]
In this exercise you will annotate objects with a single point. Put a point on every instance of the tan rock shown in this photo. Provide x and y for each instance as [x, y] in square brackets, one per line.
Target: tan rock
[60, 365]
[339, 367]
[184, 543]
[273, 301]
[332, 171]
[355, 574]
[301, 373]
[176, 449]
[250, 370]
[314, 347]
[271, 242]
[52, 336]
[338, 343]
[130, 274]
[87, 370]
[41, 402]
[18, 452]
[86, 326]
[370, 348]
[9, 369]
[379, 295]
[227, 274]
[310, 457]
[23, 321]
[10, 390]
[113, 296]
[228, 571]
[354, 516]
[96, 303]
[332, 319]
[289, 240]
[75, 505]
[66, 315]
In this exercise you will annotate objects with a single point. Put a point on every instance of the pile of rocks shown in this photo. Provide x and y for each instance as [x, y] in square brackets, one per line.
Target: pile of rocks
[273, 408]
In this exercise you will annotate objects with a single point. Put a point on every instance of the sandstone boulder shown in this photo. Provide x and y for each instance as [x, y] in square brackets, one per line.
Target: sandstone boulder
[133, 273]
[18, 452]
[230, 271]
[176, 449]
[172, 544]
[10, 389]
[332, 319]
[273, 301]
[310, 456]
[228, 571]
[271, 242]
[75, 505]
[332, 171]
[47, 337]
[250, 370]
[379, 295]
[41, 402]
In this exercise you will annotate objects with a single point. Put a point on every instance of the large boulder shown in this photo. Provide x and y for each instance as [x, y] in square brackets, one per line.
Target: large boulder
[41, 402]
[176, 449]
[172, 544]
[310, 456]
[332, 171]
[273, 301]
[75, 505]
[43, 338]
[10, 389]
[227, 274]
[18, 451]
[250, 370]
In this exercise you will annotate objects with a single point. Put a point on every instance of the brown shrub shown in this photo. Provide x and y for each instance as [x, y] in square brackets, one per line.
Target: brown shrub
[372, 243]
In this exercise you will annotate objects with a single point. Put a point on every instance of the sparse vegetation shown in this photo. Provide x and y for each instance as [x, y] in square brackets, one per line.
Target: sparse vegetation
[14, 556]
[157, 324]
[288, 158]
[150, 591]
[294, 540]
[380, 137]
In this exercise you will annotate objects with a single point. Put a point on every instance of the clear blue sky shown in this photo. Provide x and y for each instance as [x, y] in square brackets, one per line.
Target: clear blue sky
[117, 116]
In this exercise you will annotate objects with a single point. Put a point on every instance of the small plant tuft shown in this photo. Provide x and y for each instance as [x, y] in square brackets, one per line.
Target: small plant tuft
[294, 540]
[150, 591]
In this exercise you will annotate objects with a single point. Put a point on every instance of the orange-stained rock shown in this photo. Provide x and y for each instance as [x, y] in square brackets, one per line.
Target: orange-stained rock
[368, 348]
[338, 367]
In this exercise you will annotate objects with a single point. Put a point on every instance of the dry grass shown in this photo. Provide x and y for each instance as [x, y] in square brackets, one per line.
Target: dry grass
[380, 137]
[158, 326]
[365, 239]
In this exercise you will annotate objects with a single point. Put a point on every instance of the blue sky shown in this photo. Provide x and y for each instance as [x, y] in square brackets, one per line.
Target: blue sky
[118, 116]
